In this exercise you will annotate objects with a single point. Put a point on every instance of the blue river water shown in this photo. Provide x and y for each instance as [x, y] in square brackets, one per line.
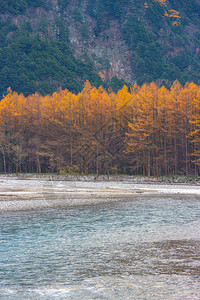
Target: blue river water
[147, 248]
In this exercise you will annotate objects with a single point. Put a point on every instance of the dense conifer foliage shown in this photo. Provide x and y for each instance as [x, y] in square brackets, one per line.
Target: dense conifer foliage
[36, 53]
[29, 63]
[149, 130]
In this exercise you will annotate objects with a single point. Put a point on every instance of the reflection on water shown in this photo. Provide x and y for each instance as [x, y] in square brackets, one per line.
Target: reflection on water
[143, 249]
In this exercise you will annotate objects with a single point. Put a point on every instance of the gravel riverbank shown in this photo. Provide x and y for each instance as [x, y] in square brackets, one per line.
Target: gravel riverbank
[32, 192]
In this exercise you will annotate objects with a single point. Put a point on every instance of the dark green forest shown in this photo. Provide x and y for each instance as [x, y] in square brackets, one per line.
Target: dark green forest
[40, 57]
[29, 63]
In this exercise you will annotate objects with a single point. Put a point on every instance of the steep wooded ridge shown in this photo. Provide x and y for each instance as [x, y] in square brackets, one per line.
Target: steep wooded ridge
[45, 44]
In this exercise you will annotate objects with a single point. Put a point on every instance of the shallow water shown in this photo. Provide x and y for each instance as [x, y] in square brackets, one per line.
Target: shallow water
[148, 248]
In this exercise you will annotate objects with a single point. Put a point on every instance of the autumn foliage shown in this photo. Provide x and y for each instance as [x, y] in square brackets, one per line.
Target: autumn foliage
[148, 130]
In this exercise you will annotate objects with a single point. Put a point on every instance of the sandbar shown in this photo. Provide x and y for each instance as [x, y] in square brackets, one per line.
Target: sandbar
[18, 193]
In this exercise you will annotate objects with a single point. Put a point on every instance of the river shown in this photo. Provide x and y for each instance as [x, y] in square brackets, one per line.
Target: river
[147, 248]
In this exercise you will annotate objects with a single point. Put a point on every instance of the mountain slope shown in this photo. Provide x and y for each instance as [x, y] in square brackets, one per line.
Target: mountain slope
[47, 44]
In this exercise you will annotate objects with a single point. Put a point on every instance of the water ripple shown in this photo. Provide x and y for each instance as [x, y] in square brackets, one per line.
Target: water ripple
[146, 249]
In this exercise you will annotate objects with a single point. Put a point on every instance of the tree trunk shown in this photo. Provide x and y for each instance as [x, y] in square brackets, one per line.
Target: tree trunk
[38, 164]
[4, 162]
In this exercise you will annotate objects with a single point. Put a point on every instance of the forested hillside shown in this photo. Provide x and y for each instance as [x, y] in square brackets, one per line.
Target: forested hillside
[49, 44]
[67, 108]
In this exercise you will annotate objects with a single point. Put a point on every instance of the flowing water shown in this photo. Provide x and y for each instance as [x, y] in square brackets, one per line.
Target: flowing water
[148, 248]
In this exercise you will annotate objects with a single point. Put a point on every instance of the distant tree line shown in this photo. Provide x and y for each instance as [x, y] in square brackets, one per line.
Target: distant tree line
[148, 130]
